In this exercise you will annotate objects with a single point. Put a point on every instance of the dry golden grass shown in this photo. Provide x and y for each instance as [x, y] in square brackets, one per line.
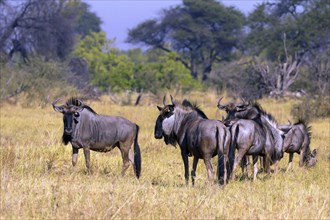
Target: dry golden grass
[38, 181]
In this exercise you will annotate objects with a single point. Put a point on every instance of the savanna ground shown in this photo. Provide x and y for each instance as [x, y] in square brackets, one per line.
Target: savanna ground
[38, 180]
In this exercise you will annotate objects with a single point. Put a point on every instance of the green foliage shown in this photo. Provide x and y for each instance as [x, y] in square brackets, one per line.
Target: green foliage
[163, 72]
[40, 82]
[199, 32]
[305, 23]
[312, 108]
[109, 69]
[115, 71]
[86, 21]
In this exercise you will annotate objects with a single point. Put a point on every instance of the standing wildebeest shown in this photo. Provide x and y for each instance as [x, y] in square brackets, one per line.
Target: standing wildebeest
[297, 140]
[196, 135]
[86, 129]
[254, 132]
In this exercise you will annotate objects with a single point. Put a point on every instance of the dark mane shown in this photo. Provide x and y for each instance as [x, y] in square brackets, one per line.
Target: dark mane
[256, 105]
[186, 103]
[306, 125]
[76, 102]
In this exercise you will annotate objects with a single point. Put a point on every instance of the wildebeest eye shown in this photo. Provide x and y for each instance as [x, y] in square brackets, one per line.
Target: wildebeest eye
[76, 114]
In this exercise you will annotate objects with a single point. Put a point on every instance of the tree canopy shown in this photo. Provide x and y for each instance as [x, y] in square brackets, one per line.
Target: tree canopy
[200, 32]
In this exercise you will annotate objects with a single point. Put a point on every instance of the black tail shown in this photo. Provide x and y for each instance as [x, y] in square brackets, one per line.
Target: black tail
[232, 150]
[137, 155]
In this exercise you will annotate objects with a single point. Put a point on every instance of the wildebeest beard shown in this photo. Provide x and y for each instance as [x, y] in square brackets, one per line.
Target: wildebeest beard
[170, 139]
[66, 138]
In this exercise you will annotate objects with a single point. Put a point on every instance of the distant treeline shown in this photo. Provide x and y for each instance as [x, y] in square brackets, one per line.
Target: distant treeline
[281, 48]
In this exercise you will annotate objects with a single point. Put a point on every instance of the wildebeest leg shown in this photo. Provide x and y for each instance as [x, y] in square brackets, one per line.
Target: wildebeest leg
[244, 165]
[302, 155]
[131, 157]
[267, 164]
[125, 155]
[290, 162]
[255, 167]
[87, 159]
[276, 164]
[262, 164]
[186, 166]
[240, 155]
[74, 156]
[209, 167]
[193, 171]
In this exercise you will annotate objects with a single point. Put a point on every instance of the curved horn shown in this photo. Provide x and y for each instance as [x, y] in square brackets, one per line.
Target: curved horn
[164, 100]
[289, 122]
[57, 108]
[172, 100]
[220, 100]
[221, 106]
[56, 101]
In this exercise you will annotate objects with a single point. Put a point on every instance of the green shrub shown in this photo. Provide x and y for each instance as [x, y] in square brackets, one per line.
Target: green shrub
[311, 108]
[36, 84]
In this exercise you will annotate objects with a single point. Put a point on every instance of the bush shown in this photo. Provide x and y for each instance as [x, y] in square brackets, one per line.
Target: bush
[311, 108]
[38, 83]
[239, 79]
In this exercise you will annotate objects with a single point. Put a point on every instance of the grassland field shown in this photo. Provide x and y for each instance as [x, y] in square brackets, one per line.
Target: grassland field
[39, 182]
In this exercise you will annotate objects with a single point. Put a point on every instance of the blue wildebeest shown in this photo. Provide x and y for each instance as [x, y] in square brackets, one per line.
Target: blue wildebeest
[254, 132]
[297, 140]
[196, 135]
[86, 129]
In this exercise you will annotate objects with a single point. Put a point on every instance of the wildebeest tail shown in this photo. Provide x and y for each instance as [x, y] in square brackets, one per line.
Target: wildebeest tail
[137, 154]
[220, 140]
[232, 147]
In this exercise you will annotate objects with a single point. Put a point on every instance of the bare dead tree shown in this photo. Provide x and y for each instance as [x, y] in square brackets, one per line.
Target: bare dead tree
[278, 77]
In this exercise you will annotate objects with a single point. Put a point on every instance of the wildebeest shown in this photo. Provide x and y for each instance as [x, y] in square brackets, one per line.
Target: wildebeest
[297, 140]
[196, 135]
[86, 129]
[254, 132]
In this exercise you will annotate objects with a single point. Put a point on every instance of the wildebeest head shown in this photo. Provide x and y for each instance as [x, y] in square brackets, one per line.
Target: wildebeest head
[233, 110]
[71, 113]
[164, 113]
[311, 161]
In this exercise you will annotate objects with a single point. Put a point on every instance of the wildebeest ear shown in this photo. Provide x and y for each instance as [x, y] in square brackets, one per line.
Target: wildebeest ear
[314, 152]
[159, 108]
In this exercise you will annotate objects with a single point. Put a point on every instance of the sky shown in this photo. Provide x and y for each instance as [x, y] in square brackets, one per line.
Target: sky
[119, 16]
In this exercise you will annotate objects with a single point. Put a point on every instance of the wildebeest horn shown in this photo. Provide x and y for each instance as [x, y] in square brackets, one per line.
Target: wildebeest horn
[220, 106]
[54, 103]
[164, 100]
[289, 122]
[172, 100]
[57, 108]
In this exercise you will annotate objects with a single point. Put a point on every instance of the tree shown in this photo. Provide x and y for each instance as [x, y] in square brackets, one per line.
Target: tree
[86, 21]
[279, 76]
[305, 24]
[200, 32]
[110, 70]
[301, 27]
[47, 28]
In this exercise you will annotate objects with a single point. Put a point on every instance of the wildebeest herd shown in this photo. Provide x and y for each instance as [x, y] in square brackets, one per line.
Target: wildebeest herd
[247, 130]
